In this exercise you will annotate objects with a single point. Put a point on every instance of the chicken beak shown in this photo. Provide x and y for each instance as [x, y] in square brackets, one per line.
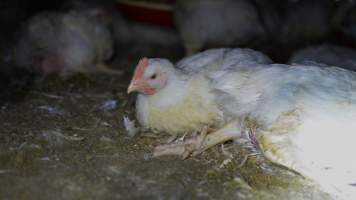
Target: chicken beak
[134, 86]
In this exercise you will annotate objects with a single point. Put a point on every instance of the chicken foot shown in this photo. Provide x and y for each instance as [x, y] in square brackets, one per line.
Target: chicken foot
[202, 142]
[183, 148]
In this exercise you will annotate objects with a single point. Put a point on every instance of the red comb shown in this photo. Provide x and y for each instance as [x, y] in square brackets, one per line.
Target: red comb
[140, 69]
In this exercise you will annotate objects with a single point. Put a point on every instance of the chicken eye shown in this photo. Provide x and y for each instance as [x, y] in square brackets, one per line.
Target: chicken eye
[153, 76]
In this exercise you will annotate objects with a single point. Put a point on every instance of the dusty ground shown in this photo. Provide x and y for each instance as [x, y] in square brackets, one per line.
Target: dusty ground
[64, 139]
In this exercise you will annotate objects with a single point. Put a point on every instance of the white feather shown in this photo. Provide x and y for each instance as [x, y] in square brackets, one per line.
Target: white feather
[320, 142]
[130, 127]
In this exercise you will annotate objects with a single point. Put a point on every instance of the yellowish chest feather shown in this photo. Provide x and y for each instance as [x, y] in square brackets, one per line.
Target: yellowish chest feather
[188, 115]
[194, 110]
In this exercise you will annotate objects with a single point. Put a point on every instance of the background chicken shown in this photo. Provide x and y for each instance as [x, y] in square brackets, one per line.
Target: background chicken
[300, 112]
[107, 14]
[208, 24]
[328, 54]
[63, 43]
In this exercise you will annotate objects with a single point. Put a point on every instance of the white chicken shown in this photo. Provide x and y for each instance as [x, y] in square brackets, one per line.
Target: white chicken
[64, 43]
[211, 24]
[304, 114]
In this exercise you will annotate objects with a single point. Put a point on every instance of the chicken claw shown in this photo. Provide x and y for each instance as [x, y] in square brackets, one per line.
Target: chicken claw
[200, 143]
[192, 146]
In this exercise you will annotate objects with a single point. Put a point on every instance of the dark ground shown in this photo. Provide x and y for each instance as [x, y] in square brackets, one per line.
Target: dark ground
[58, 141]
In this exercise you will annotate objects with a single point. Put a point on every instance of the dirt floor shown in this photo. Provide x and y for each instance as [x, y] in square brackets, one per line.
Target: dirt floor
[65, 139]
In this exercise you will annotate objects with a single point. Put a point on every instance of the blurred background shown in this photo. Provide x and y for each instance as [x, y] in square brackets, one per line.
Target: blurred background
[65, 66]
[45, 38]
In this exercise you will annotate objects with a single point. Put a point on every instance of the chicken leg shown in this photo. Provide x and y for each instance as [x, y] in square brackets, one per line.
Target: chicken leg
[202, 142]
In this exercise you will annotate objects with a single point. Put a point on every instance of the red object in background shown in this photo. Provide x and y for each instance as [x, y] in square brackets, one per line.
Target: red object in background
[153, 13]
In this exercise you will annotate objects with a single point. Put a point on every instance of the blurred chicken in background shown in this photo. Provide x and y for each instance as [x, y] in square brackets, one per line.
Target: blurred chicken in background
[108, 14]
[64, 43]
[275, 27]
[327, 54]
[131, 38]
[208, 24]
